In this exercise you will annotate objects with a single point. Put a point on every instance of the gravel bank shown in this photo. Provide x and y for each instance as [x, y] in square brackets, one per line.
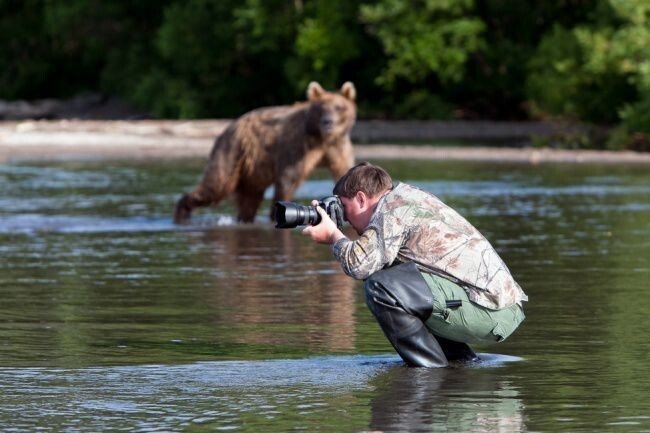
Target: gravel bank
[74, 139]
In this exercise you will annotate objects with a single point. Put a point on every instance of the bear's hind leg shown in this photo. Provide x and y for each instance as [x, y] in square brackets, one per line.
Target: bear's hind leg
[248, 202]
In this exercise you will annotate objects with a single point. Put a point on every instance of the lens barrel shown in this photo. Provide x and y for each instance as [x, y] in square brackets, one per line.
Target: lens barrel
[289, 215]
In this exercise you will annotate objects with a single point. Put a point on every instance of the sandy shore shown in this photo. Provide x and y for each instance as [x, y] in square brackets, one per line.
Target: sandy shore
[148, 139]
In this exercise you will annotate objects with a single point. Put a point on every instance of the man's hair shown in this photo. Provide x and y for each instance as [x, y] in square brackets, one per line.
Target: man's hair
[371, 179]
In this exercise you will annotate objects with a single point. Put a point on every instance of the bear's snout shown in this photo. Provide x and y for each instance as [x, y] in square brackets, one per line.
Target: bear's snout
[327, 124]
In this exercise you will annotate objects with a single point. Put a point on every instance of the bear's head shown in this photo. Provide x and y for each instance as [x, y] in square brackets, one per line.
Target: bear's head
[331, 115]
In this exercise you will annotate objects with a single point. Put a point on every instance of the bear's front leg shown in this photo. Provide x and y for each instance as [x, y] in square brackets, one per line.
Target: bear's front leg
[197, 198]
[339, 158]
[248, 201]
[286, 187]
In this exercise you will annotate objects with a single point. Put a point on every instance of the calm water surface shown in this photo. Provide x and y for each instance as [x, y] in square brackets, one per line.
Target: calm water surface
[113, 319]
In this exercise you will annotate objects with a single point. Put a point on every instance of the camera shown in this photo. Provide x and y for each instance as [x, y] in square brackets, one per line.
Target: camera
[289, 215]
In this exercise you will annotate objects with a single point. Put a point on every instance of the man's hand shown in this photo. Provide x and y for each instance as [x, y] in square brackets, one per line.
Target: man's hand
[324, 232]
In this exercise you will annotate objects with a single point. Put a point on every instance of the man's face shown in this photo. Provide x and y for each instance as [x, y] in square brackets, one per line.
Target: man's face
[356, 212]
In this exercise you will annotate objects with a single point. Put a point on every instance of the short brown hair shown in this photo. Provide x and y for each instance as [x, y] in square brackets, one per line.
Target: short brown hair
[371, 179]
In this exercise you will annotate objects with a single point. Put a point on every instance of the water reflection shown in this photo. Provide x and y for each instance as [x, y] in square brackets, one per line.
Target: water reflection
[272, 279]
[332, 393]
[455, 400]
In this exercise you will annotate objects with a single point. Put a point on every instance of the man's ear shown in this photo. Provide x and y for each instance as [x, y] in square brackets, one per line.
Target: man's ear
[362, 198]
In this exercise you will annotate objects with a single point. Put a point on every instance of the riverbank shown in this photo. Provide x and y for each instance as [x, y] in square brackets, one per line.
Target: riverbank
[164, 139]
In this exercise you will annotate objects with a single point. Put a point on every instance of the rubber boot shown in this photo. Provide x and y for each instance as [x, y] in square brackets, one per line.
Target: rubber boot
[455, 351]
[401, 301]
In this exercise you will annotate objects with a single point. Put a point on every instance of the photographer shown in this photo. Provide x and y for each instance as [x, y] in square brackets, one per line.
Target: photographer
[432, 281]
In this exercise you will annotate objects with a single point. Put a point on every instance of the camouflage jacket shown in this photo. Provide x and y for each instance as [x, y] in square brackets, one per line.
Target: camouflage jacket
[410, 224]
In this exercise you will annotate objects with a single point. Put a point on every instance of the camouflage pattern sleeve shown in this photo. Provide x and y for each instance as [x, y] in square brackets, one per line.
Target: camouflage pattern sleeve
[376, 247]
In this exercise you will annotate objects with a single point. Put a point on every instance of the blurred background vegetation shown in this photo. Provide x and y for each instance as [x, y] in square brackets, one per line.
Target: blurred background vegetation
[578, 60]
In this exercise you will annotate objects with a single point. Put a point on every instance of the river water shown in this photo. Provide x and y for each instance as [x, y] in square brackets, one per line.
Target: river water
[114, 319]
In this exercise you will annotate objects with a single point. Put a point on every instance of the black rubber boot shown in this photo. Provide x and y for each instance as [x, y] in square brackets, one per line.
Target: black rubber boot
[401, 301]
[455, 351]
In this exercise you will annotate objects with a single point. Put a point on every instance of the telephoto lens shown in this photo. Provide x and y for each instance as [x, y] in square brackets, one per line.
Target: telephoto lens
[289, 215]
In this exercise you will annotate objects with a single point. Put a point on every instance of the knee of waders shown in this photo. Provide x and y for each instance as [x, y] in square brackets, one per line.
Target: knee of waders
[376, 294]
[400, 287]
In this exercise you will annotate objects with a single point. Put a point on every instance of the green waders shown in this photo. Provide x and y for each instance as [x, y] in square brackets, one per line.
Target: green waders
[468, 322]
[429, 320]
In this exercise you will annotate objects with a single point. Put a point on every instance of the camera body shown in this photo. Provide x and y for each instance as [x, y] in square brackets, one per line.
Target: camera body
[289, 215]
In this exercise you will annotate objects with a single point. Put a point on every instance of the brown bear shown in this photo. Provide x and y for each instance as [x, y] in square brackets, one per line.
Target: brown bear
[277, 146]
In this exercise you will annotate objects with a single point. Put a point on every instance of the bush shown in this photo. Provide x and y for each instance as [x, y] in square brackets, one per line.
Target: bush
[598, 72]
[634, 131]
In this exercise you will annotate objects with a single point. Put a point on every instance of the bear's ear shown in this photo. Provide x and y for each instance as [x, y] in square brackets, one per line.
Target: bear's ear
[349, 91]
[314, 91]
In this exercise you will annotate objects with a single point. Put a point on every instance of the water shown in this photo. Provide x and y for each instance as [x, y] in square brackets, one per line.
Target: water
[114, 319]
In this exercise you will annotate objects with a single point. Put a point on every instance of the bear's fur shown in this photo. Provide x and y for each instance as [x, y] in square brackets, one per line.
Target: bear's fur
[277, 146]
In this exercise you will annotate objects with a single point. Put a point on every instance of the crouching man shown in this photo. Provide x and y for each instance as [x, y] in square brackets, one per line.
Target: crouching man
[432, 281]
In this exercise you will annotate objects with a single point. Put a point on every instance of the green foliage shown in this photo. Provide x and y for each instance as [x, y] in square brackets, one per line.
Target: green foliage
[636, 116]
[560, 83]
[218, 58]
[496, 59]
[494, 84]
[58, 49]
[634, 131]
[422, 105]
[424, 37]
[595, 71]
[325, 41]
[25, 56]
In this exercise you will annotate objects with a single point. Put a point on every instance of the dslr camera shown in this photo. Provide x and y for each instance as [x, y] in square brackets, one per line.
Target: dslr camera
[289, 215]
